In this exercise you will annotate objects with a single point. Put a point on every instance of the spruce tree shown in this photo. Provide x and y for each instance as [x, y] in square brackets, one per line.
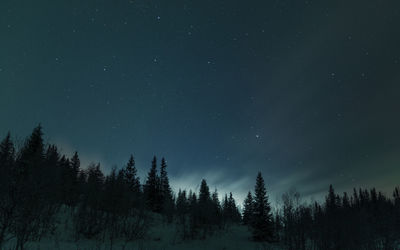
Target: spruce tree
[204, 194]
[7, 154]
[167, 202]
[203, 216]
[7, 199]
[225, 204]
[182, 203]
[193, 213]
[331, 200]
[166, 191]
[262, 223]
[192, 199]
[216, 208]
[345, 201]
[34, 210]
[7, 159]
[131, 177]
[232, 212]
[215, 199]
[248, 209]
[31, 157]
[204, 202]
[75, 165]
[151, 188]
[94, 185]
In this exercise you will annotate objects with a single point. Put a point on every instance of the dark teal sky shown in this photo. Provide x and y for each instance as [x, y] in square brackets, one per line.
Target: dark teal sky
[308, 92]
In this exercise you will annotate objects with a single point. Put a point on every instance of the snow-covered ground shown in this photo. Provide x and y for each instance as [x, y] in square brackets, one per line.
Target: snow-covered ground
[161, 236]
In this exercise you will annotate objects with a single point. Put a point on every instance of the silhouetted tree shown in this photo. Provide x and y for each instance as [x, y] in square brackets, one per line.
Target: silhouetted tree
[133, 194]
[151, 188]
[131, 177]
[216, 210]
[204, 208]
[262, 223]
[193, 214]
[37, 180]
[7, 187]
[230, 211]
[182, 213]
[167, 202]
[248, 209]
[73, 184]
[34, 210]
[89, 218]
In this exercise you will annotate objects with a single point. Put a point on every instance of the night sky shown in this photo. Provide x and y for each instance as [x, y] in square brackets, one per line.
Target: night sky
[307, 92]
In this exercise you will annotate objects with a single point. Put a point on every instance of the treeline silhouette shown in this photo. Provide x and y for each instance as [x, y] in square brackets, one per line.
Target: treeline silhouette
[367, 219]
[38, 183]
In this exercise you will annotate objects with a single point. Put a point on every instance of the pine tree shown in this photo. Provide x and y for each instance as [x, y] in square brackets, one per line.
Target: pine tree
[167, 202]
[94, 186]
[182, 203]
[248, 209]
[216, 209]
[215, 199]
[111, 195]
[345, 201]
[204, 203]
[34, 211]
[331, 200]
[75, 165]
[193, 213]
[31, 157]
[89, 219]
[166, 191]
[262, 223]
[201, 214]
[204, 194]
[30, 161]
[7, 159]
[182, 209]
[131, 177]
[7, 154]
[225, 204]
[230, 210]
[151, 188]
[7, 199]
[192, 199]
[356, 200]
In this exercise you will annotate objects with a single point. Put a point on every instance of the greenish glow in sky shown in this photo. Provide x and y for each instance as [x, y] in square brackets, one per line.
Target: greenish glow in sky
[308, 92]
